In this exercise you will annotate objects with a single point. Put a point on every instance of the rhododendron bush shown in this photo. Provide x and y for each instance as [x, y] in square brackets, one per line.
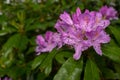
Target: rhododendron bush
[59, 40]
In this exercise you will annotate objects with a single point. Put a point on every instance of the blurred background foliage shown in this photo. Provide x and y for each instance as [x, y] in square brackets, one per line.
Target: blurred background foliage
[22, 20]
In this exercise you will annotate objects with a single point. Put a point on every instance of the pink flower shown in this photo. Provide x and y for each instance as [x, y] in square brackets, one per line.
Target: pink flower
[66, 18]
[97, 38]
[108, 12]
[48, 42]
[82, 31]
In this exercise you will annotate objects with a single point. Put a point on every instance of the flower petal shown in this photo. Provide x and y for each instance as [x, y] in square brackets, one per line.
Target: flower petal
[78, 52]
[78, 12]
[108, 12]
[48, 36]
[66, 18]
[40, 40]
[97, 48]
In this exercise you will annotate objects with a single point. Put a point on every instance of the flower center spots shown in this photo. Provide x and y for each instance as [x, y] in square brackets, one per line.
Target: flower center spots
[85, 38]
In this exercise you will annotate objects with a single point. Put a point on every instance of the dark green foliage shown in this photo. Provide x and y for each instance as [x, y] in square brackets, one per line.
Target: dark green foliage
[70, 70]
[91, 71]
[21, 22]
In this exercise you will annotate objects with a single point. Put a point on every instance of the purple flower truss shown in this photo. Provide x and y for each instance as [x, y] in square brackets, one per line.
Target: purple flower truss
[108, 12]
[81, 31]
[48, 42]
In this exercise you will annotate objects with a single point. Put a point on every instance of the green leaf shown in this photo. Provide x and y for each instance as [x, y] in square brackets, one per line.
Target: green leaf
[15, 24]
[38, 25]
[11, 43]
[31, 50]
[3, 32]
[70, 70]
[116, 32]
[46, 65]
[60, 57]
[16, 41]
[38, 60]
[112, 43]
[33, 26]
[91, 71]
[117, 68]
[14, 44]
[41, 76]
[112, 52]
[23, 41]
[110, 74]
[21, 16]
[9, 29]
[2, 72]
[2, 19]
[15, 71]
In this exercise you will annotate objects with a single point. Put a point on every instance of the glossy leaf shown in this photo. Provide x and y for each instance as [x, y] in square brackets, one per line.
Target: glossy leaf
[117, 68]
[112, 53]
[41, 76]
[116, 32]
[22, 20]
[60, 57]
[16, 43]
[91, 71]
[110, 74]
[38, 60]
[11, 43]
[46, 65]
[3, 32]
[70, 70]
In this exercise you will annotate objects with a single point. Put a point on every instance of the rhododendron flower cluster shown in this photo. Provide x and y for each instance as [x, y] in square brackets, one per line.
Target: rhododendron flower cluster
[79, 30]
[108, 12]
